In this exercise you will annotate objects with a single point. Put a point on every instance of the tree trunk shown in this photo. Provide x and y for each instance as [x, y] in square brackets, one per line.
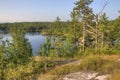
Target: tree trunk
[84, 34]
[102, 45]
[96, 37]
[74, 34]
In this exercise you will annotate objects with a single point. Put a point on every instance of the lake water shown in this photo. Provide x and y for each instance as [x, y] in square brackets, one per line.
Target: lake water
[36, 40]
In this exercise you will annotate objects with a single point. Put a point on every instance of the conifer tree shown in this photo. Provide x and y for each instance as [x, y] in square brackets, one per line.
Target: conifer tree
[20, 47]
[84, 11]
[103, 25]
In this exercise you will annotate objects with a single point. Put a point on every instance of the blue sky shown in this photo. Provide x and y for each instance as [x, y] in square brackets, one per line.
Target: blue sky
[48, 10]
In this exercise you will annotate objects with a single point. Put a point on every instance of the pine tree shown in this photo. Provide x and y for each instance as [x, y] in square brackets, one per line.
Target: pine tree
[74, 24]
[103, 21]
[84, 11]
[57, 26]
[20, 48]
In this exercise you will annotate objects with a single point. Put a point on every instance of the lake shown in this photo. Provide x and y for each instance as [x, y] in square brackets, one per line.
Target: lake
[36, 40]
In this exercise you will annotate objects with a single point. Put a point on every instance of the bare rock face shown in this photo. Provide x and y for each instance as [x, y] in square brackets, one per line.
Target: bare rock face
[102, 77]
[85, 76]
[118, 60]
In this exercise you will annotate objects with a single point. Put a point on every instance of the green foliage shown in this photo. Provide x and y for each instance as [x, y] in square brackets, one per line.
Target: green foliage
[117, 45]
[57, 27]
[45, 49]
[2, 60]
[25, 72]
[20, 48]
[58, 47]
[68, 49]
[14, 55]
[28, 26]
[83, 10]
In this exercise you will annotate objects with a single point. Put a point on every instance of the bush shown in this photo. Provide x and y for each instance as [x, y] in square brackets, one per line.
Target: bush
[27, 71]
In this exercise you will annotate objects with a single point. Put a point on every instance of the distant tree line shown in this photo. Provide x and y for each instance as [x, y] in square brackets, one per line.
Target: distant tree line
[28, 26]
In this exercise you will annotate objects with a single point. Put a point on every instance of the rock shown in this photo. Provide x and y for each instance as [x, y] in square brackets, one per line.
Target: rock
[80, 76]
[102, 77]
[85, 76]
[118, 60]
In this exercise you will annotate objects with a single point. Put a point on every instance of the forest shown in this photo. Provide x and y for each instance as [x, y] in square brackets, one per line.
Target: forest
[90, 39]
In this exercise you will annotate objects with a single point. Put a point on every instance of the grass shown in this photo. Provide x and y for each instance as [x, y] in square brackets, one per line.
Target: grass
[47, 68]
[37, 65]
[104, 64]
[115, 75]
[60, 71]
[100, 63]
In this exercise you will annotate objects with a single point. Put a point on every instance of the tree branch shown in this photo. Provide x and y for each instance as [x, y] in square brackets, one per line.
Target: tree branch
[105, 4]
[90, 27]
[90, 32]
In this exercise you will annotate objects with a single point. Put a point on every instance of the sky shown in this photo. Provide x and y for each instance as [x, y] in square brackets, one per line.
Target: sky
[48, 10]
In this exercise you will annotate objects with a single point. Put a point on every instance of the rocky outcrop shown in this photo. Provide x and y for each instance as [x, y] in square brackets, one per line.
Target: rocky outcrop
[85, 76]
